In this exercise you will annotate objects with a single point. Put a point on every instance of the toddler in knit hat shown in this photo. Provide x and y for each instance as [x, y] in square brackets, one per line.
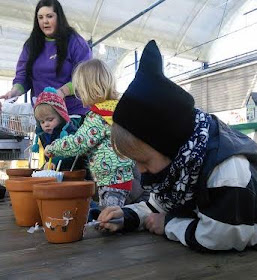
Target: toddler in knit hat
[53, 122]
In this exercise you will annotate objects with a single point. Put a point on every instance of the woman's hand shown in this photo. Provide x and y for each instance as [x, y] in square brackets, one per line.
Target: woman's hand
[6, 96]
[63, 92]
[155, 223]
[110, 213]
[10, 94]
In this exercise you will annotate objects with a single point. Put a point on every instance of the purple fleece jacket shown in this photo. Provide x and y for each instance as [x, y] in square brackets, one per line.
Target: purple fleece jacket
[44, 70]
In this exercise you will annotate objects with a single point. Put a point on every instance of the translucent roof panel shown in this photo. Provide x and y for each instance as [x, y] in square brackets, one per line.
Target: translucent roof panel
[183, 28]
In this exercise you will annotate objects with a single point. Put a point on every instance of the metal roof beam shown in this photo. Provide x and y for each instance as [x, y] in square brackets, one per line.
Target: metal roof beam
[128, 22]
[193, 18]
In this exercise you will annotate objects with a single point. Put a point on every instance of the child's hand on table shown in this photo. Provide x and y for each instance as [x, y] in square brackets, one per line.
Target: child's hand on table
[155, 223]
[110, 213]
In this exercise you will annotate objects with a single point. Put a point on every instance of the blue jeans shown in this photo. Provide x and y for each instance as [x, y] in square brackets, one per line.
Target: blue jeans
[94, 211]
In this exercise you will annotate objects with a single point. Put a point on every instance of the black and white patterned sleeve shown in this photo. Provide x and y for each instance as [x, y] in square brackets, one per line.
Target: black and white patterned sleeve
[229, 220]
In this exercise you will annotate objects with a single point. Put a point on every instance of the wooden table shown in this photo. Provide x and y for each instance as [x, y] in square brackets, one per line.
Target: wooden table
[130, 256]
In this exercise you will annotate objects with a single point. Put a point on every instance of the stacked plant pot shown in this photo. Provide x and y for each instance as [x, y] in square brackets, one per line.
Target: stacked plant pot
[19, 172]
[24, 205]
[61, 207]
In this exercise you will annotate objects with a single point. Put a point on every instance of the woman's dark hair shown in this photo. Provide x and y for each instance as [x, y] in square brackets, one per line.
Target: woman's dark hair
[36, 41]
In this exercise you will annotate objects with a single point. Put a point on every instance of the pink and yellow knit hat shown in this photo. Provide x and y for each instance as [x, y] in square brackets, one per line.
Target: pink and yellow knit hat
[49, 96]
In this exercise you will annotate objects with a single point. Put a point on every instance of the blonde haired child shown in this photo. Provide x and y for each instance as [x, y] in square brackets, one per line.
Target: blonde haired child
[95, 81]
[95, 86]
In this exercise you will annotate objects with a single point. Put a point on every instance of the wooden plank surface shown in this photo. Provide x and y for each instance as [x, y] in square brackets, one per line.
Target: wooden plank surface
[128, 256]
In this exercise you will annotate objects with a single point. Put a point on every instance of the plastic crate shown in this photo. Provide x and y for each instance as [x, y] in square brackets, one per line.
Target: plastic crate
[17, 125]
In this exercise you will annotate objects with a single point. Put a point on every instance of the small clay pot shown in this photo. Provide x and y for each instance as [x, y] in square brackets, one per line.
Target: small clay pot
[76, 175]
[24, 205]
[64, 209]
[19, 172]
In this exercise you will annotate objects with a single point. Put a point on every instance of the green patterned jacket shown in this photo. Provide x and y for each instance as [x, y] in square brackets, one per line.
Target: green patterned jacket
[93, 139]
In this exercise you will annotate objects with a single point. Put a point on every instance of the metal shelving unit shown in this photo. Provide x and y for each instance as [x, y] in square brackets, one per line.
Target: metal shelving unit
[16, 134]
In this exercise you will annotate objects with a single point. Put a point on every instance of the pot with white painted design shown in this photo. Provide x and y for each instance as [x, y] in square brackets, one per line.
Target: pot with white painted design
[64, 209]
[24, 205]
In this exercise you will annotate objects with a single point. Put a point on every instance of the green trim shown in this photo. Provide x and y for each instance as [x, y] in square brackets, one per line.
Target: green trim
[19, 87]
[49, 39]
[245, 126]
[69, 85]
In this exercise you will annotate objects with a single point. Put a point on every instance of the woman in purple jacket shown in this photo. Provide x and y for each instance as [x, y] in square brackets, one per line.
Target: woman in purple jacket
[49, 56]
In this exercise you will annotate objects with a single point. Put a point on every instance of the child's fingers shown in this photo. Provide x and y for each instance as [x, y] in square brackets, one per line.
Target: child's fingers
[47, 153]
[110, 213]
[52, 166]
[155, 223]
[111, 227]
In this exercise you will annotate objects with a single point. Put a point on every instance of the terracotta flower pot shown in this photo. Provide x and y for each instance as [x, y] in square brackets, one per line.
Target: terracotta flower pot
[24, 205]
[19, 172]
[76, 175]
[64, 209]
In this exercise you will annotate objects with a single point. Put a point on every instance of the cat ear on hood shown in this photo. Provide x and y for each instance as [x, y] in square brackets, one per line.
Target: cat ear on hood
[155, 109]
[151, 59]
